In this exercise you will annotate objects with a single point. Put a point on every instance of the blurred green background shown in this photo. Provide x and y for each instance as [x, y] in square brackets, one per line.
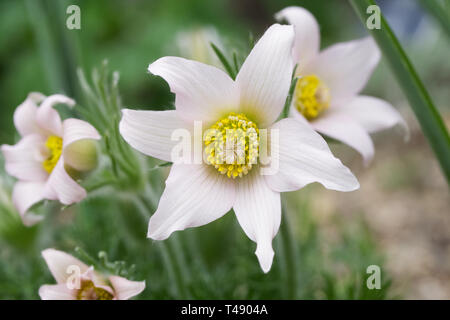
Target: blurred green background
[399, 219]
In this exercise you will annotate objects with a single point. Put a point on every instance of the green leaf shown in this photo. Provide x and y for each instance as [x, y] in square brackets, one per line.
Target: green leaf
[427, 114]
[223, 60]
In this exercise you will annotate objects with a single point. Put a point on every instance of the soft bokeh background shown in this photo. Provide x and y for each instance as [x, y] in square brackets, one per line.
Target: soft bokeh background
[399, 219]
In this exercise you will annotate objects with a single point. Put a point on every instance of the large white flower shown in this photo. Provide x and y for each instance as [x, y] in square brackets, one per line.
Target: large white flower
[197, 194]
[78, 281]
[47, 148]
[327, 93]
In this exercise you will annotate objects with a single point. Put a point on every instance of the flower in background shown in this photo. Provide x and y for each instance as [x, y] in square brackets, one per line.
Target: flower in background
[77, 281]
[49, 154]
[195, 44]
[197, 194]
[327, 92]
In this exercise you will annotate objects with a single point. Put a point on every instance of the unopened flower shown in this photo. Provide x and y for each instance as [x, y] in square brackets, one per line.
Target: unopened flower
[78, 281]
[327, 92]
[197, 194]
[49, 149]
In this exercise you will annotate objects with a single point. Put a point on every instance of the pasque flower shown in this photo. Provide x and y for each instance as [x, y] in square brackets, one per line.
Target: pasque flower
[197, 194]
[48, 154]
[327, 92]
[78, 281]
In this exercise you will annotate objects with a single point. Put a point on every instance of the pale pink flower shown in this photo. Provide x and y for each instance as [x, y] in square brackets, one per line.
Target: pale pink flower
[46, 149]
[327, 94]
[77, 281]
[197, 194]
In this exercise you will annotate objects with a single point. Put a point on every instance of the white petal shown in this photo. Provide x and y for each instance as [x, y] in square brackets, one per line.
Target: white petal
[307, 34]
[258, 210]
[57, 292]
[373, 114]
[194, 196]
[24, 196]
[25, 114]
[304, 157]
[345, 129]
[125, 289]
[150, 132]
[346, 67]
[24, 159]
[75, 130]
[265, 76]
[202, 92]
[60, 265]
[60, 186]
[48, 118]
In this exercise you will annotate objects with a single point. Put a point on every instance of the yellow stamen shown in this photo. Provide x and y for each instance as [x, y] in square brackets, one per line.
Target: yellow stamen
[232, 145]
[89, 291]
[54, 146]
[312, 96]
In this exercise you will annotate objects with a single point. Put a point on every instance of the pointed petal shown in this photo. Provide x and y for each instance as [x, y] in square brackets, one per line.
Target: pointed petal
[59, 262]
[265, 76]
[60, 186]
[25, 114]
[150, 132]
[346, 67]
[57, 292]
[345, 129]
[307, 34]
[125, 289]
[202, 92]
[258, 210]
[48, 118]
[373, 114]
[194, 196]
[24, 159]
[24, 196]
[304, 158]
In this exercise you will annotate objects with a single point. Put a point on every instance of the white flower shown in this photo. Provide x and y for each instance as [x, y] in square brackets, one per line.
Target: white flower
[77, 281]
[197, 194]
[327, 94]
[48, 148]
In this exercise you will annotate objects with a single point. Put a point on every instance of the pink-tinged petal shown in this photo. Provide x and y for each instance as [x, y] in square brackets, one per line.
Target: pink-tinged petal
[373, 114]
[150, 132]
[60, 186]
[75, 130]
[48, 118]
[307, 34]
[24, 159]
[24, 196]
[303, 158]
[258, 210]
[63, 265]
[265, 76]
[202, 92]
[57, 292]
[125, 289]
[194, 196]
[346, 67]
[345, 129]
[25, 114]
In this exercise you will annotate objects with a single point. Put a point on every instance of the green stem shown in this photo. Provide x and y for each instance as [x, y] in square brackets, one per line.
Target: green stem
[426, 113]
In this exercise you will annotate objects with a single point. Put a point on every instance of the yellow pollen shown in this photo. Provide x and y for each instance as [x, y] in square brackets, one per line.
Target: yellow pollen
[54, 146]
[89, 291]
[312, 96]
[232, 145]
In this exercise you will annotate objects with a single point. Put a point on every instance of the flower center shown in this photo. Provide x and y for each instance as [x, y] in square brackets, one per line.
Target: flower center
[312, 96]
[90, 292]
[54, 146]
[232, 145]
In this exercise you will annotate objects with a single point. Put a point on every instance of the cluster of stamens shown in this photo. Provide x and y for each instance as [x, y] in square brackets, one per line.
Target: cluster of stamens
[232, 145]
[89, 291]
[54, 145]
[312, 96]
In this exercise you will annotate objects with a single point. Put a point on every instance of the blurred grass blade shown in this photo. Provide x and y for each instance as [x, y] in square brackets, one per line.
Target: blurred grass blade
[427, 114]
[439, 12]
